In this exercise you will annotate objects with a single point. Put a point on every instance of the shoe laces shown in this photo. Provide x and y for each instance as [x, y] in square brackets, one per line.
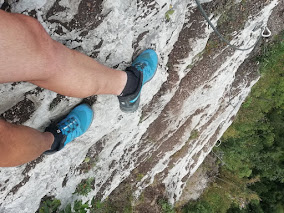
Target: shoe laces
[144, 68]
[69, 126]
[140, 65]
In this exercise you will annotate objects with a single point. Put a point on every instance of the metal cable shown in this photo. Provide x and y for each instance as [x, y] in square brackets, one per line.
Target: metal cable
[220, 36]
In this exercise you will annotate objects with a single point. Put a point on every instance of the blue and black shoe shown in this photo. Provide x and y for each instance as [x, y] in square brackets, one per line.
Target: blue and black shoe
[76, 123]
[144, 67]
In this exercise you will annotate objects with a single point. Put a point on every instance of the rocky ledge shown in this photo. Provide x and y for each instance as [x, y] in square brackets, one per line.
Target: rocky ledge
[197, 91]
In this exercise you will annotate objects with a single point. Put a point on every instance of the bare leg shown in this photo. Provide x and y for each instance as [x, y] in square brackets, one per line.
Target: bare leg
[21, 144]
[27, 53]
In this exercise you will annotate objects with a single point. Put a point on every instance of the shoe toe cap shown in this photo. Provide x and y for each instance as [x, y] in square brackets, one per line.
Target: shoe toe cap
[85, 115]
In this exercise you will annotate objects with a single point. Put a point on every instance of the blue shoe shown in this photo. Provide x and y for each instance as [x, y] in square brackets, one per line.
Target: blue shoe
[146, 64]
[76, 123]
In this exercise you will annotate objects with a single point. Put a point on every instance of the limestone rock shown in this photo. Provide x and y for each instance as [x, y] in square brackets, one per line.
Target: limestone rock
[198, 89]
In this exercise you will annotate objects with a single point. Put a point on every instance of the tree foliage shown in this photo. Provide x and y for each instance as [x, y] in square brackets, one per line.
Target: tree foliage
[252, 179]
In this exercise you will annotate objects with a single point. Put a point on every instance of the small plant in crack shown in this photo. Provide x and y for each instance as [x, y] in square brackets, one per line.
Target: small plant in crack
[169, 13]
[85, 187]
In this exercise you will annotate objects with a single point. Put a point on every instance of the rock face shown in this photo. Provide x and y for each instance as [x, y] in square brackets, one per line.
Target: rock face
[198, 89]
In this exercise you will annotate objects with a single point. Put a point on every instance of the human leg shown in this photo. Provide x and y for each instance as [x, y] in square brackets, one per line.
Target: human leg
[20, 144]
[29, 54]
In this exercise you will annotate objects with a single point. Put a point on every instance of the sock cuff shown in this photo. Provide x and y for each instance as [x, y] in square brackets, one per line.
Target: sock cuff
[134, 70]
[58, 137]
[133, 79]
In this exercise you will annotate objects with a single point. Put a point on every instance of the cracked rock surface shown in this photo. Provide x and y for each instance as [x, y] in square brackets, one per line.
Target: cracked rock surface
[197, 91]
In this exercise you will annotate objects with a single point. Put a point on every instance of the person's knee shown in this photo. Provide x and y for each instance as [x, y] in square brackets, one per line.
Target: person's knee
[40, 43]
[30, 29]
[45, 45]
[33, 26]
[37, 33]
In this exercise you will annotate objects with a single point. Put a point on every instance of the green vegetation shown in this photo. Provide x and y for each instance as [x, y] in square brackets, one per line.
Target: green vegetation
[87, 160]
[88, 164]
[194, 134]
[120, 201]
[252, 178]
[51, 205]
[227, 189]
[80, 207]
[99, 206]
[84, 187]
[139, 177]
[108, 207]
[169, 13]
[165, 206]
